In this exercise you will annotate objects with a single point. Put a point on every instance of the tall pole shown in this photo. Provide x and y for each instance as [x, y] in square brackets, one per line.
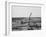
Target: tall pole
[29, 19]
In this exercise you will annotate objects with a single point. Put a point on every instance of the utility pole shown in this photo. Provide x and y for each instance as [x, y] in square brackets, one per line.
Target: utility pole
[29, 21]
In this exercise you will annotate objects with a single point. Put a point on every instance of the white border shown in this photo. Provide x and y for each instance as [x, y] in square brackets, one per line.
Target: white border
[9, 4]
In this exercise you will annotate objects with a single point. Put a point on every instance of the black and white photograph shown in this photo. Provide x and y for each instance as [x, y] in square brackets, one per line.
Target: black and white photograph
[26, 18]
[22, 18]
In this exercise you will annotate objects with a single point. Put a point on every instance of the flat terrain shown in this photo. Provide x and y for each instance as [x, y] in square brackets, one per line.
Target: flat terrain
[26, 23]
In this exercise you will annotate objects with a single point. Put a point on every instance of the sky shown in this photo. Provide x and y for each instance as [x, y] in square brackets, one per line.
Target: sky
[24, 11]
